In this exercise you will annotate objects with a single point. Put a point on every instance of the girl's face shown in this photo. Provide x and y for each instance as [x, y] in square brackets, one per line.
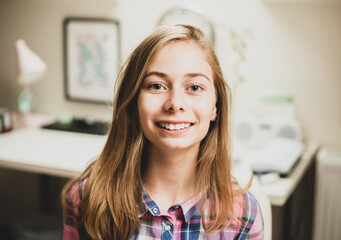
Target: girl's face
[177, 98]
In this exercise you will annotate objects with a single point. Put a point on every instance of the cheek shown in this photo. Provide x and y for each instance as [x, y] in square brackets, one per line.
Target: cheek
[204, 109]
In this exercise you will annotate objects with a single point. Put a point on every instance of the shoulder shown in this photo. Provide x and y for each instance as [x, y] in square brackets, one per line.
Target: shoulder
[76, 193]
[245, 205]
[71, 220]
[249, 214]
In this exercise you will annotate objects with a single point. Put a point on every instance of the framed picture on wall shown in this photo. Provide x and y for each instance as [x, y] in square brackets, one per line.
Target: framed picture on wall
[91, 58]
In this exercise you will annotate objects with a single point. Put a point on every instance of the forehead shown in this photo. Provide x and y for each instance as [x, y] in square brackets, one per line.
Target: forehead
[184, 47]
[186, 56]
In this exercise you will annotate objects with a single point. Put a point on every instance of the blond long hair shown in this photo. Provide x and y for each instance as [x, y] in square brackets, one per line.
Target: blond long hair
[112, 193]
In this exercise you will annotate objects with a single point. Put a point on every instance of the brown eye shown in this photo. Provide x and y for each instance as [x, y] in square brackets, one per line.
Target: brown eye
[156, 86]
[195, 88]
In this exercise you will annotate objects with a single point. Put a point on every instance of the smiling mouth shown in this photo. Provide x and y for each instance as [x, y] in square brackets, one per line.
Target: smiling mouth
[174, 127]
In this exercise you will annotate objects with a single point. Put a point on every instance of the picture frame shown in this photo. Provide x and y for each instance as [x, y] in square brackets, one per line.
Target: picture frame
[91, 58]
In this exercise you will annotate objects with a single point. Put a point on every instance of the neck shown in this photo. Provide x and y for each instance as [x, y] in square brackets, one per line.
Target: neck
[170, 176]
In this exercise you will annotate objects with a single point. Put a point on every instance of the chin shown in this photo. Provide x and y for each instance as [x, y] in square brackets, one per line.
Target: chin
[176, 145]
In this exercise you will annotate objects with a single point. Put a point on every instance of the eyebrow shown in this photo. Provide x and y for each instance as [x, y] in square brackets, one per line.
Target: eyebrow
[163, 75]
[159, 74]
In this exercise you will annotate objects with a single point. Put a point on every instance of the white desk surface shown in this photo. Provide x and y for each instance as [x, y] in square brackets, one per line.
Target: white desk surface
[52, 152]
[67, 154]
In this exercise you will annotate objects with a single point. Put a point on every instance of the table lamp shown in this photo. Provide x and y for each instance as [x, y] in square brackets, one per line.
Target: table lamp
[31, 69]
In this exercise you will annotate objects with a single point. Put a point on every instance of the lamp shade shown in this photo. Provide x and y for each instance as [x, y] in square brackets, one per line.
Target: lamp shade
[31, 67]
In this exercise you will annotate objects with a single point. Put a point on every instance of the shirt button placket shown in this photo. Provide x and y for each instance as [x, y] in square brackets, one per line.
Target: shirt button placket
[167, 227]
[167, 232]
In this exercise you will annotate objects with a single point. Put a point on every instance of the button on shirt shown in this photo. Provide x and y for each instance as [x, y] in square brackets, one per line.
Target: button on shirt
[181, 222]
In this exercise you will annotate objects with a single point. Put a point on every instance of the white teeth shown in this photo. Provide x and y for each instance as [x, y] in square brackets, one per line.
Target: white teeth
[174, 126]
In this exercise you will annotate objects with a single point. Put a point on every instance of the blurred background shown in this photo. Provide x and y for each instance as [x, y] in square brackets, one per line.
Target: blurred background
[271, 52]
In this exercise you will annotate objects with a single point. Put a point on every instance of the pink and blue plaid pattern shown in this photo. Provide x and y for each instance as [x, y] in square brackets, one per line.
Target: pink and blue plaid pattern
[180, 222]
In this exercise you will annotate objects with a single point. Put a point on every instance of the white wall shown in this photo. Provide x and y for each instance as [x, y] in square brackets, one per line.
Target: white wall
[296, 48]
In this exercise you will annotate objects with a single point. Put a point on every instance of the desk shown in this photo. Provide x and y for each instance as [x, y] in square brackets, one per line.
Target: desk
[280, 191]
[66, 154]
[49, 152]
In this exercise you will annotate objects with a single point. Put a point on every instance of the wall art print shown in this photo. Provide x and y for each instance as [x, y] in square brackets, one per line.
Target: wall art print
[91, 58]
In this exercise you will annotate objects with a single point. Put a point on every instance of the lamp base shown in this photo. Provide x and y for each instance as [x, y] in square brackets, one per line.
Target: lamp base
[26, 101]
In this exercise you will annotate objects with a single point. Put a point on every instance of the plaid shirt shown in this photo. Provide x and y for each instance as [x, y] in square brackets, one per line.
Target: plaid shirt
[181, 222]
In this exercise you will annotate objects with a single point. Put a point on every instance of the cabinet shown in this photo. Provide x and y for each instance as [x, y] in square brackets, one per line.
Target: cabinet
[294, 220]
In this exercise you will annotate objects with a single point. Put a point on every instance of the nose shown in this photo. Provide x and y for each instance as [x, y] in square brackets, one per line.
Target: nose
[175, 102]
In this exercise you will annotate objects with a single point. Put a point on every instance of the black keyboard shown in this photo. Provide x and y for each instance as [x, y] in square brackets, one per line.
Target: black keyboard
[80, 126]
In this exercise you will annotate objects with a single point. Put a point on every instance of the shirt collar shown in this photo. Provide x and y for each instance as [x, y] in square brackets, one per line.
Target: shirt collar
[147, 204]
[189, 208]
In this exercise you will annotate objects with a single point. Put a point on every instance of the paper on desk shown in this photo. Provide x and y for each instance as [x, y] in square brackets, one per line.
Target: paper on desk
[278, 155]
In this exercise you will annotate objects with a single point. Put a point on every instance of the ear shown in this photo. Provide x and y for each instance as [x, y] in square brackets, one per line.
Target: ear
[214, 114]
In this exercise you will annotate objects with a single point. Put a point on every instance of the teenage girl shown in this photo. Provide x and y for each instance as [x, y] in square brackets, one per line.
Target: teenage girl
[165, 170]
